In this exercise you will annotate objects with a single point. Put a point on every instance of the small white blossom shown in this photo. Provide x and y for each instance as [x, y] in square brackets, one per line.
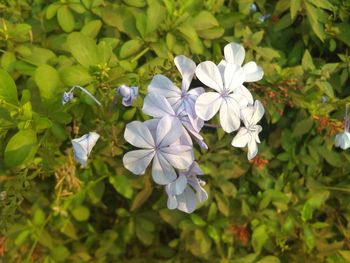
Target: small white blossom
[82, 147]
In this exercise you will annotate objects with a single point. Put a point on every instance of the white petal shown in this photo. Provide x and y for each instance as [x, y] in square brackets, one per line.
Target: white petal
[242, 138]
[221, 67]
[163, 86]
[138, 134]
[259, 112]
[234, 53]
[252, 149]
[179, 156]
[169, 129]
[207, 105]
[187, 69]
[252, 72]
[229, 115]
[172, 202]
[246, 93]
[162, 172]
[186, 201]
[234, 76]
[80, 153]
[157, 106]
[178, 186]
[82, 146]
[138, 160]
[208, 73]
[196, 92]
[342, 140]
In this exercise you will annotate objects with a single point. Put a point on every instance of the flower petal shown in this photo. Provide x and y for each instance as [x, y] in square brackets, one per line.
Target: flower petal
[160, 84]
[229, 115]
[186, 201]
[157, 106]
[80, 153]
[187, 69]
[207, 105]
[234, 53]
[252, 72]
[162, 172]
[242, 138]
[234, 76]
[179, 156]
[138, 160]
[242, 90]
[259, 112]
[137, 134]
[178, 186]
[169, 129]
[252, 149]
[208, 73]
[172, 202]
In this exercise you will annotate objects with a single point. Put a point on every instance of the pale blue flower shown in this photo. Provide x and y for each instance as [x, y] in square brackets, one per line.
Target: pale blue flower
[160, 141]
[249, 135]
[157, 106]
[342, 140]
[82, 147]
[68, 96]
[129, 94]
[187, 190]
[182, 100]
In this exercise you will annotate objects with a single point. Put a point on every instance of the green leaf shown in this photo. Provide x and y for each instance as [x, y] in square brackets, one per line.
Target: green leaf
[259, 238]
[308, 237]
[83, 49]
[48, 81]
[92, 28]
[307, 62]
[197, 220]
[326, 88]
[294, 8]
[130, 48]
[81, 213]
[65, 19]
[122, 184]
[302, 127]
[204, 20]
[60, 253]
[269, 259]
[155, 16]
[21, 148]
[8, 89]
[324, 4]
[39, 56]
[75, 75]
[313, 14]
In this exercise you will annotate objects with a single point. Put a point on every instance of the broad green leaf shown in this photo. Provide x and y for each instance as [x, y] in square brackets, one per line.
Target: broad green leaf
[269, 259]
[21, 148]
[75, 75]
[259, 238]
[60, 253]
[83, 48]
[48, 81]
[294, 8]
[307, 61]
[322, 4]
[122, 184]
[8, 89]
[81, 213]
[130, 48]
[204, 20]
[65, 19]
[326, 88]
[313, 15]
[308, 237]
[92, 28]
[39, 56]
[302, 127]
[155, 16]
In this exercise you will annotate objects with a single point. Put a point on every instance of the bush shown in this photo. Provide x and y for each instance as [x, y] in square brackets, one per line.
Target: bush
[289, 204]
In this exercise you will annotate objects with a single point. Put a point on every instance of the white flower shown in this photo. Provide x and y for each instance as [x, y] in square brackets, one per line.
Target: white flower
[157, 106]
[181, 193]
[182, 100]
[158, 140]
[342, 140]
[82, 147]
[224, 99]
[249, 135]
[129, 94]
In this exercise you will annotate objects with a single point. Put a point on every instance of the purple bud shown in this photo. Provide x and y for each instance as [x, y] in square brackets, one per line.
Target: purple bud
[129, 94]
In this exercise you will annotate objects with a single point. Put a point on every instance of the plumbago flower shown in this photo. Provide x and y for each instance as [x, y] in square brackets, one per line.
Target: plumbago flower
[342, 140]
[82, 147]
[249, 135]
[129, 94]
[182, 100]
[181, 191]
[162, 145]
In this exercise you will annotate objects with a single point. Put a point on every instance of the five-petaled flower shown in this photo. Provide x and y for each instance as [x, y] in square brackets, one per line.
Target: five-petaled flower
[160, 141]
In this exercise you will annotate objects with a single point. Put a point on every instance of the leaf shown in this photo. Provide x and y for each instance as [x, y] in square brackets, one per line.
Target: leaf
[312, 15]
[307, 62]
[308, 237]
[294, 8]
[130, 48]
[142, 196]
[302, 127]
[345, 254]
[326, 88]
[21, 148]
[155, 16]
[48, 81]
[259, 238]
[83, 49]
[92, 28]
[81, 213]
[197, 220]
[269, 259]
[190, 35]
[65, 19]
[8, 89]
[324, 4]
[204, 20]
[39, 56]
[75, 75]
[122, 184]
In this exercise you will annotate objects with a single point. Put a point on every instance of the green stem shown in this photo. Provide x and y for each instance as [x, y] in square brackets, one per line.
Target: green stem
[140, 54]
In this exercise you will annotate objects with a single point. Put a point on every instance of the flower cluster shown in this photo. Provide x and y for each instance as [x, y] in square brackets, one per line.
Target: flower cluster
[179, 115]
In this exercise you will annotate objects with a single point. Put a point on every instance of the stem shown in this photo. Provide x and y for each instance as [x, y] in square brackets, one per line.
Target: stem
[215, 126]
[86, 92]
[140, 54]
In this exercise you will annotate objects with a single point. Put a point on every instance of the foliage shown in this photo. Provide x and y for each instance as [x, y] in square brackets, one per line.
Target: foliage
[290, 204]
